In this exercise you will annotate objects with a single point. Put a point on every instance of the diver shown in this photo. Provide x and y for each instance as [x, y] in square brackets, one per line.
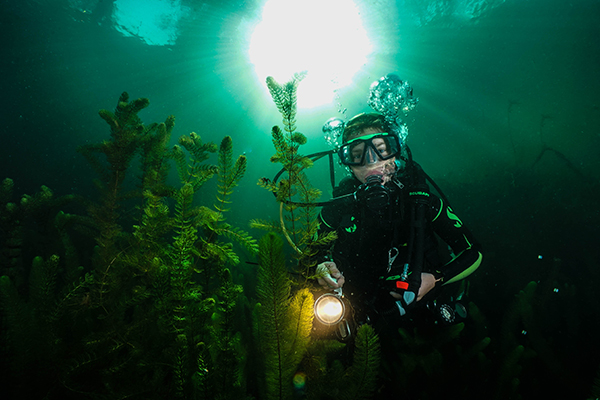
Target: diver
[386, 255]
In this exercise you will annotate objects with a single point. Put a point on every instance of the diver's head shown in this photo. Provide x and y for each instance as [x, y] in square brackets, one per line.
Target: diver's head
[369, 147]
[362, 121]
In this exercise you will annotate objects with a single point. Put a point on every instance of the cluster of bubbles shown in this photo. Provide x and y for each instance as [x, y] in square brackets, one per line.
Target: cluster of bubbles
[393, 98]
[389, 96]
[333, 130]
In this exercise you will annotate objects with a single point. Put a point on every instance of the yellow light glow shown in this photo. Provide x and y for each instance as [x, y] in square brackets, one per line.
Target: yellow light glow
[332, 309]
[326, 38]
[329, 309]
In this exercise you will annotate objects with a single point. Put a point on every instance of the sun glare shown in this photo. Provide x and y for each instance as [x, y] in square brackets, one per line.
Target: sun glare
[326, 38]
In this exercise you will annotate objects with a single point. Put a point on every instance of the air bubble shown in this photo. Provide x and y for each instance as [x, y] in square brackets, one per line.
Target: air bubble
[333, 130]
[393, 98]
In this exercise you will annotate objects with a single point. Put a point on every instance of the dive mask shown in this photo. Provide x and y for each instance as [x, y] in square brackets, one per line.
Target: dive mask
[369, 149]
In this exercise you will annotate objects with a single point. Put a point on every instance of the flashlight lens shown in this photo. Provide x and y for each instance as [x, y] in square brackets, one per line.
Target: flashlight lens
[329, 309]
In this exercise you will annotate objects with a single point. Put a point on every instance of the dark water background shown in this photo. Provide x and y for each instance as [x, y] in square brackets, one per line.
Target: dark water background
[494, 90]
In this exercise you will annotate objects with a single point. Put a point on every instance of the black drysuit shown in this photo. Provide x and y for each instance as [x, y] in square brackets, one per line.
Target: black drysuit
[367, 239]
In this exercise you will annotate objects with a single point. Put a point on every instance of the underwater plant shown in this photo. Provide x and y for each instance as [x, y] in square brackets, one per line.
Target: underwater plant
[284, 313]
[33, 299]
[299, 224]
[284, 335]
[284, 321]
[152, 314]
[30, 214]
[138, 297]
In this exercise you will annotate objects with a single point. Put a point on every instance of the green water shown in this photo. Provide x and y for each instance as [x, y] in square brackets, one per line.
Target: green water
[507, 124]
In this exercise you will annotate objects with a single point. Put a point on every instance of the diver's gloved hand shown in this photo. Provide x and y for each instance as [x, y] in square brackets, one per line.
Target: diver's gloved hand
[330, 275]
[428, 282]
[407, 298]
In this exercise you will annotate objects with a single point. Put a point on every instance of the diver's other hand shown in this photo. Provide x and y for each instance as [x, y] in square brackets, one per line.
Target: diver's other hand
[427, 284]
[331, 277]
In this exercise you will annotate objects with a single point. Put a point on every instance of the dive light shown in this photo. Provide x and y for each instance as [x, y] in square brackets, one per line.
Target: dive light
[330, 310]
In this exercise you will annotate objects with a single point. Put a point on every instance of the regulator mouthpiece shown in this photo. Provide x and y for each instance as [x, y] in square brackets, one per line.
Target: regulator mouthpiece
[374, 194]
